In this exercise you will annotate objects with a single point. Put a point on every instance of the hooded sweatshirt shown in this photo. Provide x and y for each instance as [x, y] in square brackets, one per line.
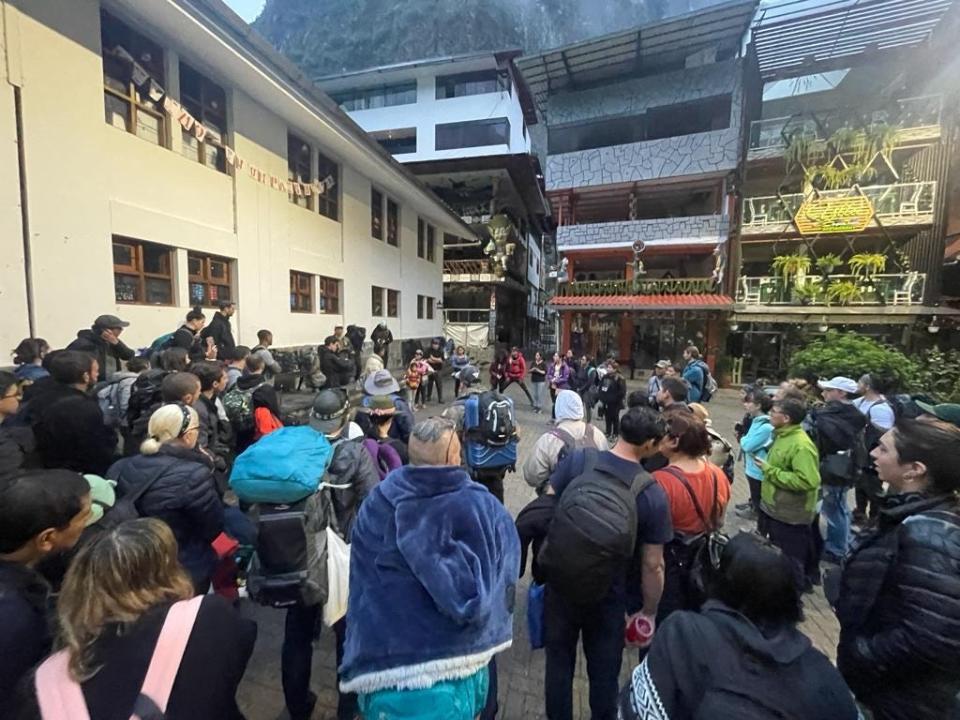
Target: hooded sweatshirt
[718, 664]
[755, 444]
[434, 562]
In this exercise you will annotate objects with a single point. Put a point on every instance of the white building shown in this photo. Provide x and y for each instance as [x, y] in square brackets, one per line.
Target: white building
[272, 197]
[461, 124]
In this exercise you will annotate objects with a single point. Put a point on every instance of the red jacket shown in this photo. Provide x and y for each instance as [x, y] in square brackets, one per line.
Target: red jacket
[516, 368]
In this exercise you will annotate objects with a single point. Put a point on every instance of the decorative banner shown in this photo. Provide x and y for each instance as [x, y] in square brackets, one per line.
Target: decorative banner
[825, 215]
[153, 90]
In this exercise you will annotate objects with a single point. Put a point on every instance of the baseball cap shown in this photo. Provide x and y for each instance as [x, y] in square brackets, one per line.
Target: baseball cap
[110, 321]
[948, 412]
[839, 383]
[663, 364]
[380, 383]
[329, 408]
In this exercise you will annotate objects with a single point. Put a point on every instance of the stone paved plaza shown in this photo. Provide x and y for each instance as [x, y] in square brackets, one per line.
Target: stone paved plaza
[520, 669]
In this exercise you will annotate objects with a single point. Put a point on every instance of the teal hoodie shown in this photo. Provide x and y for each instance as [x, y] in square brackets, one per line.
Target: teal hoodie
[755, 444]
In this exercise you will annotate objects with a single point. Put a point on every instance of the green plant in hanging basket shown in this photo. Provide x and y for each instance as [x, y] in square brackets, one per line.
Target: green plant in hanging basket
[844, 292]
[880, 138]
[828, 262]
[790, 266]
[807, 294]
[868, 264]
[798, 150]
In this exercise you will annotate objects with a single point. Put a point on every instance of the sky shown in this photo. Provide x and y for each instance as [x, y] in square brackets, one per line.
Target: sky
[247, 9]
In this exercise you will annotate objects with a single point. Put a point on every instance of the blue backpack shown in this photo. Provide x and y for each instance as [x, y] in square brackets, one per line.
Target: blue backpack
[489, 431]
[282, 467]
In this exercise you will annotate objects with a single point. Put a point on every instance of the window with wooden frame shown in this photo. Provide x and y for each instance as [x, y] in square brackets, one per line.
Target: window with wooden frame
[207, 102]
[299, 169]
[393, 303]
[328, 202]
[376, 301]
[393, 223]
[329, 296]
[209, 279]
[125, 103]
[301, 292]
[431, 243]
[142, 272]
[421, 238]
[376, 214]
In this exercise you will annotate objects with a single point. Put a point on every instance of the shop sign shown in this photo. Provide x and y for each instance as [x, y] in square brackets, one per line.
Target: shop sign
[826, 215]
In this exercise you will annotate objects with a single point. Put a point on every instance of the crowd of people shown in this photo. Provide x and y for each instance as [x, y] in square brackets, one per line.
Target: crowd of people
[143, 495]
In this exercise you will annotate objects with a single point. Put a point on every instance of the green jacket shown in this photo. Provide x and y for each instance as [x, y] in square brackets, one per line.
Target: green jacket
[791, 477]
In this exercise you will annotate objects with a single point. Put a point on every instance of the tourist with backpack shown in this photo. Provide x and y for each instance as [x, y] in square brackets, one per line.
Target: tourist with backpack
[252, 407]
[379, 384]
[151, 390]
[261, 350]
[135, 639]
[697, 374]
[303, 484]
[611, 518]
[176, 484]
[839, 430]
[236, 361]
[114, 394]
[698, 493]
[611, 393]
[571, 433]
[42, 512]
[742, 656]
[487, 425]
[879, 417]
[386, 452]
[425, 626]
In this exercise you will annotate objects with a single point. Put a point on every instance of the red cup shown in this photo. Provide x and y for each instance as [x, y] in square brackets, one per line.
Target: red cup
[639, 630]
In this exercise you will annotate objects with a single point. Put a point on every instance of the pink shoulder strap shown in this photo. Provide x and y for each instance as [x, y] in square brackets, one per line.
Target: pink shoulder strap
[59, 696]
[168, 654]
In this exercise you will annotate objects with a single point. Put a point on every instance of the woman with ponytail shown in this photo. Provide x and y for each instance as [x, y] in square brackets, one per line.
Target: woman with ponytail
[180, 487]
[188, 337]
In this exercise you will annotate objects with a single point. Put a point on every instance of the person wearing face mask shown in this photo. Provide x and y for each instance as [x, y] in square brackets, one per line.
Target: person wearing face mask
[899, 594]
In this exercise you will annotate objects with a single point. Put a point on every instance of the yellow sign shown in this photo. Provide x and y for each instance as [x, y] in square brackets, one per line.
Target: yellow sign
[825, 215]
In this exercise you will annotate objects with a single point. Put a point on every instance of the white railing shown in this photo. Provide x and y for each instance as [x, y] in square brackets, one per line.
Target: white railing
[901, 200]
[887, 289]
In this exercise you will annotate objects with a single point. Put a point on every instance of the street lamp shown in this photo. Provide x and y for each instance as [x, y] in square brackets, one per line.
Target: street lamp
[934, 327]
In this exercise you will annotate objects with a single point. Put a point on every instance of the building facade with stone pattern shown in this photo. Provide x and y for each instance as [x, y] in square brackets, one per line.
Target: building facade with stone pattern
[645, 137]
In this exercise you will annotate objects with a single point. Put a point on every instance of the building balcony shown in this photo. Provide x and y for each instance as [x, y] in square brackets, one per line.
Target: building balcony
[699, 154]
[918, 121]
[477, 271]
[898, 205]
[897, 290]
[693, 230]
[658, 286]
[643, 295]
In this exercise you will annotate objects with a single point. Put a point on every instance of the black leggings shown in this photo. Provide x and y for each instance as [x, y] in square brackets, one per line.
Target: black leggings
[505, 383]
[611, 414]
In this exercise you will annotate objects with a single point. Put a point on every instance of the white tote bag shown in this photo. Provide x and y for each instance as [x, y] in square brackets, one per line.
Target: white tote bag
[338, 578]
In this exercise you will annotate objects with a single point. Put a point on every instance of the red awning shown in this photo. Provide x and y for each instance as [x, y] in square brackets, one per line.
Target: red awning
[643, 302]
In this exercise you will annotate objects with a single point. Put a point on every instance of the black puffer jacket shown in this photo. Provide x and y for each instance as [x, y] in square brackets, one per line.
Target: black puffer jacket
[899, 610]
[221, 332]
[337, 368]
[90, 342]
[351, 465]
[183, 495]
[18, 449]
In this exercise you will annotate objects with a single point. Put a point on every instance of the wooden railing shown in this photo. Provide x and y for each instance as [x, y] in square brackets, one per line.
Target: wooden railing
[660, 286]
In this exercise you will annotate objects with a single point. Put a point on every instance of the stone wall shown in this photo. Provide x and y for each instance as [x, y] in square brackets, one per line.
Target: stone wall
[696, 227]
[699, 154]
[635, 96]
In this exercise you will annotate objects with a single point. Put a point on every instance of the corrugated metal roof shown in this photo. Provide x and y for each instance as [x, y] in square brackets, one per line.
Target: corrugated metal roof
[795, 37]
[643, 302]
[656, 44]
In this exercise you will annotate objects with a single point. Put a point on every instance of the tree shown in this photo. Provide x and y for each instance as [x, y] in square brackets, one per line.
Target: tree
[852, 355]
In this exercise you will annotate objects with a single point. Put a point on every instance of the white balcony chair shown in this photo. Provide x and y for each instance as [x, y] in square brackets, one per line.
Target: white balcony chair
[912, 206]
[750, 292]
[904, 296]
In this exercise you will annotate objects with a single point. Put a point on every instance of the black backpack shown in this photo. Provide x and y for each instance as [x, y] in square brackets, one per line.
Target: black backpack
[593, 533]
[496, 425]
[586, 441]
[125, 508]
[289, 566]
[145, 397]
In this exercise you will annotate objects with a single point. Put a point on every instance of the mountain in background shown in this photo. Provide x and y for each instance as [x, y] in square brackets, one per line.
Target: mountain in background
[325, 37]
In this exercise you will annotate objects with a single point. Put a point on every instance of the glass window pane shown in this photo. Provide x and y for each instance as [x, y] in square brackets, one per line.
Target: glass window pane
[115, 111]
[195, 264]
[126, 288]
[156, 260]
[376, 214]
[124, 255]
[149, 127]
[220, 292]
[218, 269]
[189, 145]
[376, 301]
[158, 291]
[198, 293]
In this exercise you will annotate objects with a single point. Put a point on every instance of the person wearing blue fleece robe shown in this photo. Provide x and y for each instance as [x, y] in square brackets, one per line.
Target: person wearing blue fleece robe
[434, 564]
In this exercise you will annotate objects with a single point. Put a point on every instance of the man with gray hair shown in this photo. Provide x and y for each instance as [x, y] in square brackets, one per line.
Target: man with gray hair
[449, 554]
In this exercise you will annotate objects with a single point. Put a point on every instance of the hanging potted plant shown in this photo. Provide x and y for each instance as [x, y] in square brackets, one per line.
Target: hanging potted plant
[827, 263]
[844, 292]
[868, 264]
[807, 294]
[792, 268]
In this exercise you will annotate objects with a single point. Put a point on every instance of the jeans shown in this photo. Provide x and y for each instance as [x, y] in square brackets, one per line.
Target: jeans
[602, 627]
[296, 658]
[505, 383]
[434, 380]
[837, 514]
[537, 394]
